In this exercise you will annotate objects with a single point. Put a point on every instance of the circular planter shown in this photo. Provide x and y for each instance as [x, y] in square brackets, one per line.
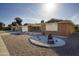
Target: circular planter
[57, 42]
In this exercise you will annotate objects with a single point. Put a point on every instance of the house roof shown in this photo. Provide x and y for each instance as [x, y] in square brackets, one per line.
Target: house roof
[66, 21]
[54, 20]
[36, 24]
[60, 21]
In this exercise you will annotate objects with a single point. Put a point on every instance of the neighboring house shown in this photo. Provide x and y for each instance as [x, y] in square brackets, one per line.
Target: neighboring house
[16, 28]
[53, 26]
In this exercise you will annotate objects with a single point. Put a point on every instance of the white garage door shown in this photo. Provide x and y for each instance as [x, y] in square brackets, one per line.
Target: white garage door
[51, 27]
[25, 28]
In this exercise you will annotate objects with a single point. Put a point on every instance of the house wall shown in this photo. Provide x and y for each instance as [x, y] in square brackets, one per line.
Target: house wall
[52, 27]
[43, 27]
[34, 28]
[25, 28]
[16, 28]
[65, 29]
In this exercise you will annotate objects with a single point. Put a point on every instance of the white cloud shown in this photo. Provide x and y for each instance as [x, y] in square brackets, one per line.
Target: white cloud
[31, 20]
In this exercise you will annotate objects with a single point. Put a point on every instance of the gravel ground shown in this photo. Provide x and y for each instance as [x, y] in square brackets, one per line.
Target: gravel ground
[19, 45]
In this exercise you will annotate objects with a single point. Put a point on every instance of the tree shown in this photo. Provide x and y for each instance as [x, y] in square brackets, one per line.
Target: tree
[77, 27]
[9, 27]
[13, 23]
[18, 20]
[26, 24]
[2, 25]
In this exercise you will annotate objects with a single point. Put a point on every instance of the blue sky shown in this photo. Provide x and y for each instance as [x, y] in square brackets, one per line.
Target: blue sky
[35, 12]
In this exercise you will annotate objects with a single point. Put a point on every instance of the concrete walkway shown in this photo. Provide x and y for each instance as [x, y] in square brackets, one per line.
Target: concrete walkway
[3, 49]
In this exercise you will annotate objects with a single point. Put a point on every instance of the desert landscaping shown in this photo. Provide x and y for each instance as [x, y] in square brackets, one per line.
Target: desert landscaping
[19, 45]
